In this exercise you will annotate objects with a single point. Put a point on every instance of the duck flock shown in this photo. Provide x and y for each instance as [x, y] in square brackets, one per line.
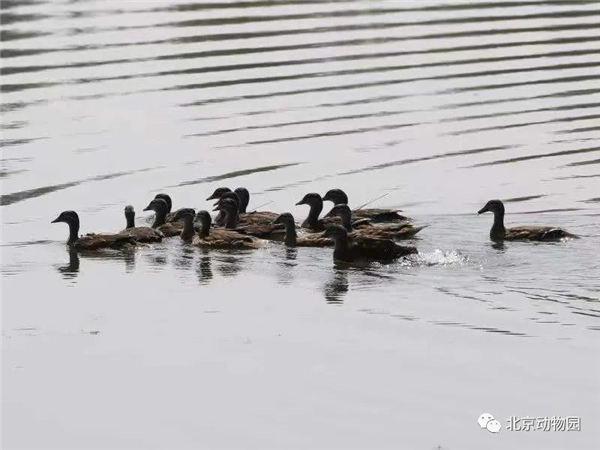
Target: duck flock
[354, 234]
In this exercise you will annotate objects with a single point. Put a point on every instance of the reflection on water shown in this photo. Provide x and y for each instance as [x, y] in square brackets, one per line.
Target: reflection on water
[70, 270]
[337, 287]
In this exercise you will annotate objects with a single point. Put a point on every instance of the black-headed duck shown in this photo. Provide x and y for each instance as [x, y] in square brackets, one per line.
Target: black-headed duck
[396, 230]
[92, 241]
[216, 195]
[215, 238]
[375, 215]
[521, 233]
[141, 234]
[160, 208]
[312, 221]
[364, 248]
[293, 240]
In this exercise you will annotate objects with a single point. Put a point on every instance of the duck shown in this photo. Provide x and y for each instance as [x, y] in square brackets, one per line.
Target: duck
[215, 238]
[140, 234]
[216, 195]
[364, 248]
[521, 233]
[170, 213]
[397, 230]
[228, 205]
[293, 240]
[160, 207]
[312, 221]
[92, 241]
[375, 215]
[265, 217]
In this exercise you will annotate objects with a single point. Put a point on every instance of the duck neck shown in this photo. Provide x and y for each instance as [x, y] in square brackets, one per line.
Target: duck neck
[188, 228]
[130, 221]
[290, 234]
[340, 250]
[204, 229]
[159, 218]
[231, 219]
[73, 232]
[346, 221]
[313, 214]
[498, 230]
[243, 203]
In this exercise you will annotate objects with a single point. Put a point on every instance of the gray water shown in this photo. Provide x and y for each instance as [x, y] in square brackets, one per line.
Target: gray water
[439, 106]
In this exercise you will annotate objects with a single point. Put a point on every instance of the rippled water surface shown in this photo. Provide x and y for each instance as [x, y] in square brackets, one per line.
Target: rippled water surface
[434, 106]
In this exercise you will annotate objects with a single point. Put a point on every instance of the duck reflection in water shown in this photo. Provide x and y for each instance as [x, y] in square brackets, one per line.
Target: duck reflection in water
[230, 266]
[204, 269]
[71, 270]
[337, 287]
[185, 258]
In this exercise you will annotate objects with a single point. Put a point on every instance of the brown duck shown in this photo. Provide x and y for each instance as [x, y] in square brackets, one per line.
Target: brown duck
[375, 215]
[140, 234]
[212, 238]
[228, 205]
[364, 248]
[397, 230]
[293, 240]
[92, 241]
[521, 233]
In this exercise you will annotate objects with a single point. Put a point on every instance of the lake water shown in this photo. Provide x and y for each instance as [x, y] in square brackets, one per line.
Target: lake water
[438, 105]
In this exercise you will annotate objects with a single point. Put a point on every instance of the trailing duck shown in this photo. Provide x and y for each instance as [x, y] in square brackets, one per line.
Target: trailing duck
[211, 238]
[140, 234]
[228, 205]
[375, 215]
[293, 240]
[364, 248]
[397, 230]
[92, 241]
[521, 233]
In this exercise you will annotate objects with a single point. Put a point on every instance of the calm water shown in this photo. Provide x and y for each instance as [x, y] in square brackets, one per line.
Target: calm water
[440, 105]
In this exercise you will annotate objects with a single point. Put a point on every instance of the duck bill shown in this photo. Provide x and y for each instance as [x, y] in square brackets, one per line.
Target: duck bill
[327, 198]
[482, 210]
[301, 202]
[213, 196]
[218, 208]
[56, 220]
[147, 208]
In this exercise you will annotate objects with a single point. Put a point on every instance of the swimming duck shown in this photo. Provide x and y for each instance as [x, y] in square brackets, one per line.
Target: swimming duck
[291, 237]
[376, 215]
[141, 234]
[170, 213]
[522, 233]
[266, 217]
[397, 230]
[160, 207]
[91, 241]
[216, 195]
[364, 248]
[312, 221]
[229, 206]
[215, 238]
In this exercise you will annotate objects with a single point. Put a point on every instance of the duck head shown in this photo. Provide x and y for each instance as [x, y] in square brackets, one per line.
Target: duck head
[244, 197]
[343, 212]
[72, 219]
[160, 207]
[495, 206]
[229, 196]
[167, 199]
[337, 196]
[130, 216]
[335, 232]
[312, 199]
[218, 193]
[284, 219]
[205, 220]
[184, 214]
